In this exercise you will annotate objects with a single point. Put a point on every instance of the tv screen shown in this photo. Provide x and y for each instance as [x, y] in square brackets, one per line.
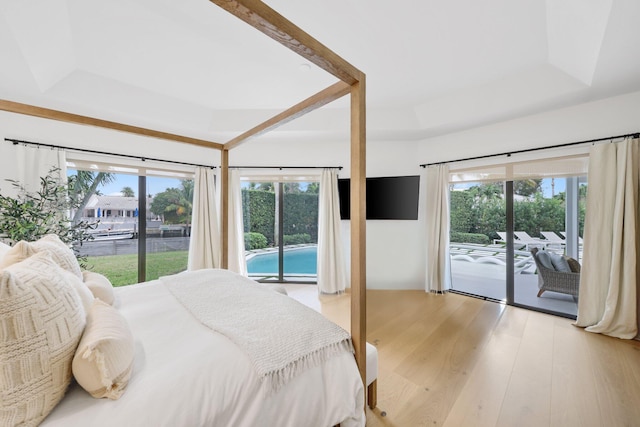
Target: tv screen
[391, 197]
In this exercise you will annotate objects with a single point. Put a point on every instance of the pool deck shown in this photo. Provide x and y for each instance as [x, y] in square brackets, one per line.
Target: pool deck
[481, 270]
[477, 270]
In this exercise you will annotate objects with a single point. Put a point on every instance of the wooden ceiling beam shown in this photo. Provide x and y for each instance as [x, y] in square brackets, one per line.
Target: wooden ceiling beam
[316, 101]
[46, 113]
[268, 21]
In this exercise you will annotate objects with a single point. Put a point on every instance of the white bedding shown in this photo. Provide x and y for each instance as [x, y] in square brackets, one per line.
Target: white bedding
[187, 375]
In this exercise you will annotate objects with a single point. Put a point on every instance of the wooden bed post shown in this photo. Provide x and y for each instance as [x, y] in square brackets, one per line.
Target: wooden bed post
[224, 207]
[358, 226]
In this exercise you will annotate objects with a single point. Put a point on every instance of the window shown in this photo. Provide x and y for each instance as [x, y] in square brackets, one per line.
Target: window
[123, 220]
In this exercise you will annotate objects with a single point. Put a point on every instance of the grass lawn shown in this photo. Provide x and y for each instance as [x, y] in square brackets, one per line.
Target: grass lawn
[123, 269]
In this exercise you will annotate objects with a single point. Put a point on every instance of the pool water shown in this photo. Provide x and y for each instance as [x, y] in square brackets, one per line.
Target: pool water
[296, 261]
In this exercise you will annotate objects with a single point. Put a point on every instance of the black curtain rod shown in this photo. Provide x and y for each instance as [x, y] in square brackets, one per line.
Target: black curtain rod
[84, 150]
[286, 167]
[527, 150]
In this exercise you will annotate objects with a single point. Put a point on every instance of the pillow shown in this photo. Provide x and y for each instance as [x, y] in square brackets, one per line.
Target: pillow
[560, 263]
[103, 361]
[4, 248]
[60, 252]
[573, 265]
[99, 286]
[50, 243]
[19, 252]
[545, 259]
[86, 297]
[41, 323]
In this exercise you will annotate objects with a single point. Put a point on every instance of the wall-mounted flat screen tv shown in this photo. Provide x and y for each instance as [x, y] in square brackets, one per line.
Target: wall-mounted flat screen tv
[390, 197]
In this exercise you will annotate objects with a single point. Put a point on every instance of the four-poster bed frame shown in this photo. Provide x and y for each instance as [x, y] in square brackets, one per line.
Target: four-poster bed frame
[352, 81]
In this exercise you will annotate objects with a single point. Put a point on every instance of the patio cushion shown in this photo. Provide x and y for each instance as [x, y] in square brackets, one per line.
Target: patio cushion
[573, 265]
[560, 263]
[545, 259]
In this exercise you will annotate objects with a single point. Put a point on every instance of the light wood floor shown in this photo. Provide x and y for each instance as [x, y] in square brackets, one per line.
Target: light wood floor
[451, 360]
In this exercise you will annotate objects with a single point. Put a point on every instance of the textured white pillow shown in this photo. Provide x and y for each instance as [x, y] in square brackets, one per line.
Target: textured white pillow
[103, 361]
[41, 322]
[51, 244]
[60, 252]
[19, 252]
[99, 286]
[4, 248]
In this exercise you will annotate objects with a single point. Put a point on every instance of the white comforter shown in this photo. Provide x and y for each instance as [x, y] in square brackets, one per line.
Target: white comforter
[187, 375]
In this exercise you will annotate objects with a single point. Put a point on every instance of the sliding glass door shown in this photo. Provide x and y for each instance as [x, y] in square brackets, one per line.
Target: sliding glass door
[496, 225]
[548, 217]
[478, 239]
[300, 230]
[281, 230]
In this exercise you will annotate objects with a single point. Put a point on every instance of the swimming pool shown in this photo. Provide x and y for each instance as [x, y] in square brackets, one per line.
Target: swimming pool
[301, 260]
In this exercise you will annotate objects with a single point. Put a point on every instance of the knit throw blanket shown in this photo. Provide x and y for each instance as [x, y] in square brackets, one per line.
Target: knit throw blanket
[281, 337]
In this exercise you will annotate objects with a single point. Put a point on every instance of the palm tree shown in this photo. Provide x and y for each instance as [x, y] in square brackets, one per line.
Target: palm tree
[176, 205]
[128, 192]
[182, 205]
[82, 186]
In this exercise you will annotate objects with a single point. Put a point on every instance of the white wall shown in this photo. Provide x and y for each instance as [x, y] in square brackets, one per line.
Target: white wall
[598, 119]
[395, 252]
[28, 128]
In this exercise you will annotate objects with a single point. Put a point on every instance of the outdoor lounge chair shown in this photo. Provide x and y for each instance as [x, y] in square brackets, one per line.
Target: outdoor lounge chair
[503, 239]
[564, 233]
[523, 237]
[552, 238]
[550, 274]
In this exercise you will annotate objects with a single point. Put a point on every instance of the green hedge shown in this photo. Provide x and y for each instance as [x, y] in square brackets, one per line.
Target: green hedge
[481, 210]
[458, 237]
[254, 241]
[300, 214]
[297, 239]
[258, 213]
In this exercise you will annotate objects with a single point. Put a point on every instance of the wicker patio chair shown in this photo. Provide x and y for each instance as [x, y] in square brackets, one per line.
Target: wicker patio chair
[557, 281]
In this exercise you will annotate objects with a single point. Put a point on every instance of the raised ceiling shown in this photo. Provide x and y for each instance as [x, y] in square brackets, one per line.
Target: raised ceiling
[433, 67]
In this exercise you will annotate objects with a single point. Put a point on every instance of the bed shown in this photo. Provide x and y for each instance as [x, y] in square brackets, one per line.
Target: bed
[200, 348]
[186, 374]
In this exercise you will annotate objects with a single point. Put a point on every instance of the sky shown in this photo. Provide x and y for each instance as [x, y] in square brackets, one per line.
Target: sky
[155, 185]
[559, 186]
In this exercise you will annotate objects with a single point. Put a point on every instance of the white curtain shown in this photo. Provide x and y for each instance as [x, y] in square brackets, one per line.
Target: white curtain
[36, 162]
[204, 245]
[438, 264]
[237, 261]
[609, 277]
[332, 273]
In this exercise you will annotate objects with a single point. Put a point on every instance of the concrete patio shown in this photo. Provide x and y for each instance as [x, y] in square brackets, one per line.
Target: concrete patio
[481, 270]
